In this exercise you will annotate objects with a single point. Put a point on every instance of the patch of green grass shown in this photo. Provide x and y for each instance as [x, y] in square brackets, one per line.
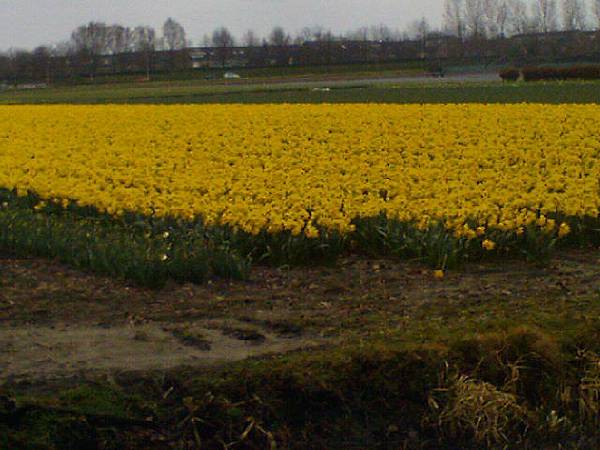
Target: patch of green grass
[266, 74]
[92, 398]
[554, 93]
[86, 416]
[352, 92]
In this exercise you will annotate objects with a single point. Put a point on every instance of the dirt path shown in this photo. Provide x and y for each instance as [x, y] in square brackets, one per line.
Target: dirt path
[53, 352]
[56, 322]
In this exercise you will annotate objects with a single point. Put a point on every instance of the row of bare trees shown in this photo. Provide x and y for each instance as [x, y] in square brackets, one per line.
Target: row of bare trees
[143, 49]
[96, 39]
[88, 45]
[492, 18]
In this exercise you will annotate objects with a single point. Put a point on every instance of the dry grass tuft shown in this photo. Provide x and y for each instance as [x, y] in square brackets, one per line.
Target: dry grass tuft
[589, 388]
[478, 410]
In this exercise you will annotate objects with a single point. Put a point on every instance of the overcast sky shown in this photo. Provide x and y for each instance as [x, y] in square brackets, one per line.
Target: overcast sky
[28, 23]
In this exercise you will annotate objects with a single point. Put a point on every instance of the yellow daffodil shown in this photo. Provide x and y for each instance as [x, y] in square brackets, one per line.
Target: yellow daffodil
[477, 169]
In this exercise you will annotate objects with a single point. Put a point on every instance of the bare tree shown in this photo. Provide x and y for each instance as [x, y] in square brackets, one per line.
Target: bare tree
[596, 13]
[63, 48]
[573, 15]
[222, 37]
[496, 15]
[223, 40]
[519, 20]
[119, 39]
[297, 40]
[418, 29]
[278, 37]
[92, 38]
[279, 41]
[173, 40]
[475, 18]
[382, 33]
[325, 41]
[546, 15]
[250, 39]
[9, 69]
[144, 42]
[174, 35]
[206, 40]
[42, 63]
[305, 35]
[254, 55]
[502, 15]
[454, 17]
[20, 66]
[360, 34]
[310, 34]
[119, 42]
[91, 42]
[144, 39]
[5, 73]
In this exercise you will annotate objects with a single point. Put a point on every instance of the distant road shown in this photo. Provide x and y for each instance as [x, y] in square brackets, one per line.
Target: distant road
[372, 80]
[453, 78]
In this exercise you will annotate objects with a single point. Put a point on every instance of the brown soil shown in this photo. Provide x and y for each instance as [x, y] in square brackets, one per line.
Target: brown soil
[48, 352]
[57, 322]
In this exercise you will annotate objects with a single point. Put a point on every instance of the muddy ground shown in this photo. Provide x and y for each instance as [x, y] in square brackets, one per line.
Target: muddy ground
[59, 323]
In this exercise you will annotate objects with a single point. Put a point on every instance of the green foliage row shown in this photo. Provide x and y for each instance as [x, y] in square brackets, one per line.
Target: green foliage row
[561, 73]
[580, 72]
[439, 248]
[510, 74]
[130, 250]
[150, 250]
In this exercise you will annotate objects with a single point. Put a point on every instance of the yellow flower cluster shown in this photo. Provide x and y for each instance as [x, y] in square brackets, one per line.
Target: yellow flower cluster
[290, 167]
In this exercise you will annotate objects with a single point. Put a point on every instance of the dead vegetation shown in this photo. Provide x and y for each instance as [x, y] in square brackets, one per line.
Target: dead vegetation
[368, 354]
[479, 410]
[589, 388]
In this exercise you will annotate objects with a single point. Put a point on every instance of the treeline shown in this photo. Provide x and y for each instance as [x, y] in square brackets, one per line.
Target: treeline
[493, 18]
[480, 31]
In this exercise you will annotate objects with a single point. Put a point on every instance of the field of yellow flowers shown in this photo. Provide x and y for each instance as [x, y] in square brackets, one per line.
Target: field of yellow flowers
[425, 180]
